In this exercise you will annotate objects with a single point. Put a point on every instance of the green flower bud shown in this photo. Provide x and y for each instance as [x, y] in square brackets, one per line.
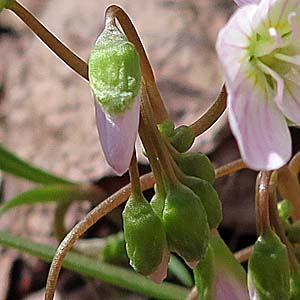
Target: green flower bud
[219, 276]
[183, 138]
[208, 197]
[185, 223]
[197, 165]
[144, 235]
[114, 71]
[167, 128]
[4, 4]
[293, 232]
[114, 250]
[158, 203]
[295, 286]
[285, 209]
[268, 269]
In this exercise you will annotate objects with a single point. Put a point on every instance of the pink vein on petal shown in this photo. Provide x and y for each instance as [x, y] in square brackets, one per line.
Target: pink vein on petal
[118, 135]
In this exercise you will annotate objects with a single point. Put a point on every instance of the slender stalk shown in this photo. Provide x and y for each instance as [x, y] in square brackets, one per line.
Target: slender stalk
[262, 201]
[63, 52]
[230, 168]
[158, 143]
[288, 186]
[277, 224]
[157, 103]
[147, 181]
[59, 228]
[134, 175]
[152, 157]
[294, 164]
[213, 113]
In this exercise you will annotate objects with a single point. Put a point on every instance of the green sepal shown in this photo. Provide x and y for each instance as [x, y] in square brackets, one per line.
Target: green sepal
[114, 71]
[167, 128]
[185, 222]
[114, 250]
[183, 138]
[144, 235]
[293, 232]
[268, 268]
[158, 203]
[4, 4]
[208, 197]
[196, 164]
[295, 286]
[285, 209]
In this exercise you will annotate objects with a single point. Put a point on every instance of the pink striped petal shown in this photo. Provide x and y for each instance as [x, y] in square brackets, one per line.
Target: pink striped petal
[118, 135]
[227, 287]
[232, 43]
[246, 2]
[258, 125]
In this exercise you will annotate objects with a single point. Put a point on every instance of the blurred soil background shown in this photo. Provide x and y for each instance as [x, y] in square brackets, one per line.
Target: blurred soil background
[47, 117]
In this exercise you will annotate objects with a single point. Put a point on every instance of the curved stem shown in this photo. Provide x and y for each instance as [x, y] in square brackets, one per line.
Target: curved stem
[213, 113]
[147, 181]
[63, 52]
[289, 189]
[277, 224]
[158, 143]
[230, 168]
[294, 164]
[157, 103]
[262, 201]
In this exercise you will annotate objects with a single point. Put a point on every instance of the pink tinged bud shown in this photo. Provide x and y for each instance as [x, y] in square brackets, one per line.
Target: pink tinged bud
[118, 135]
[162, 271]
[219, 276]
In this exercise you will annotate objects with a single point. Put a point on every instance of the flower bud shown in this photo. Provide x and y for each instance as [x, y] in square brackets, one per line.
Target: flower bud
[4, 4]
[114, 71]
[208, 197]
[114, 250]
[167, 128]
[285, 209]
[268, 269]
[196, 164]
[293, 232]
[295, 286]
[219, 276]
[185, 223]
[183, 138]
[144, 235]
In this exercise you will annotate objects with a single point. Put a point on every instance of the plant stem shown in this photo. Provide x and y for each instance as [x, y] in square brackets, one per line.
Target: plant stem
[288, 186]
[160, 148]
[277, 224]
[147, 181]
[230, 168]
[212, 114]
[157, 103]
[262, 201]
[134, 176]
[63, 52]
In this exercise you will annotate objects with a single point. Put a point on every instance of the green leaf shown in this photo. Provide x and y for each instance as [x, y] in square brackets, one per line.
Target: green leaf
[14, 165]
[178, 269]
[49, 193]
[102, 271]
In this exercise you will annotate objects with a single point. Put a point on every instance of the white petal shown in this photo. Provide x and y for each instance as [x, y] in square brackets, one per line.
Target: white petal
[245, 2]
[233, 40]
[290, 106]
[118, 135]
[258, 125]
